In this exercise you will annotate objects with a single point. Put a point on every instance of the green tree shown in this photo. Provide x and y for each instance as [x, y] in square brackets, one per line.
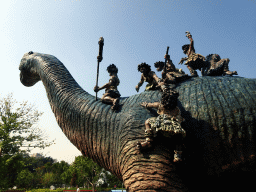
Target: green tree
[38, 177]
[58, 169]
[43, 175]
[48, 173]
[10, 167]
[49, 179]
[84, 170]
[66, 176]
[18, 130]
[32, 163]
[25, 179]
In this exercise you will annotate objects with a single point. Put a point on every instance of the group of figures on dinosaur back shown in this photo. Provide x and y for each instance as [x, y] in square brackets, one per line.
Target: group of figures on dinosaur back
[168, 121]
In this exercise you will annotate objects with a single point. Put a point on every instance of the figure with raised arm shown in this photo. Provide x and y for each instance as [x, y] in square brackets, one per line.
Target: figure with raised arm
[194, 60]
[111, 95]
[167, 123]
[148, 76]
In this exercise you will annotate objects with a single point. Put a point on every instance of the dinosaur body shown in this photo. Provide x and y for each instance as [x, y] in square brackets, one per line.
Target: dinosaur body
[219, 118]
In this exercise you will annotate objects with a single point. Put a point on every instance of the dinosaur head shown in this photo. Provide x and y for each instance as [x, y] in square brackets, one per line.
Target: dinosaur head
[31, 65]
[28, 69]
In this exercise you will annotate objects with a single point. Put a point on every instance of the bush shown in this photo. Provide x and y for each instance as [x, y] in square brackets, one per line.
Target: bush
[16, 190]
[45, 190]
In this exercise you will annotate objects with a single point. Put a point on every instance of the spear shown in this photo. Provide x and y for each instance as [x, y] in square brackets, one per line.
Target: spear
[166, 59]
[99, 58]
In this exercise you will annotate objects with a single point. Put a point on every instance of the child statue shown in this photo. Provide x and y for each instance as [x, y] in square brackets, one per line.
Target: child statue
[148, 76]
[194, 60]
[167, 123]
[111, 95]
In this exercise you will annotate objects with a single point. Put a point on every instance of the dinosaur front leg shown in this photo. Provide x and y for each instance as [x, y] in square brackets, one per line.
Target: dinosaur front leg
[151, 171]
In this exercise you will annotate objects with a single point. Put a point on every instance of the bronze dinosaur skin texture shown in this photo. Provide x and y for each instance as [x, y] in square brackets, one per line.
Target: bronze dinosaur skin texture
[219, 118]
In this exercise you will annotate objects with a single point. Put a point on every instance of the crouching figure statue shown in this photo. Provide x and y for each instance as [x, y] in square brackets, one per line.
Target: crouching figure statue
[148, 76]
[167, 123]
[170, 74]
[217, 66]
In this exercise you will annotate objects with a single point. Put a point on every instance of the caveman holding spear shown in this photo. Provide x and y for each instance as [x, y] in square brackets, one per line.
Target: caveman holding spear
[111, 95]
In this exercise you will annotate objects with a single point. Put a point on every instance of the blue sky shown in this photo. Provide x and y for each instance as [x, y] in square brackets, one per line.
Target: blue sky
[134, 32]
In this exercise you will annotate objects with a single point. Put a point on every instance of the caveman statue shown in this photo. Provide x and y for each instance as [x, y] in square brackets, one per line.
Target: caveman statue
[217, 66]
[170, 74]
[194, 60]
[167, 123]
[111, 95]
[148, 76]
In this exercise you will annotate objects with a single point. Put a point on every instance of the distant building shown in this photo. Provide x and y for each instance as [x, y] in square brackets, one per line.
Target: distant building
[37, 155]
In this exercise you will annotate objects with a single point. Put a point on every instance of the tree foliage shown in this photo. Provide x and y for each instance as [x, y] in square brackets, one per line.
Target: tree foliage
[18, 133]
[25, 179]
[18, 130]
[18, 127]
[82, 171]
[49, 179]
[10, 167]
[58, 168]
[32, 163]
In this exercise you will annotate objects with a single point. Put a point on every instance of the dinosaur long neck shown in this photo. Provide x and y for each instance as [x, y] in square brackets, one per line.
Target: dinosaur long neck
[69, 102]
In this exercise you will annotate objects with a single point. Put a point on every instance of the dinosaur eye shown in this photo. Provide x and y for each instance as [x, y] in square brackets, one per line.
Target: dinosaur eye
[30, 52]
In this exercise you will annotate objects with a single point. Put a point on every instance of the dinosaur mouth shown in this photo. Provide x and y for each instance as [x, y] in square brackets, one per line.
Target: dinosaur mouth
[27, 78]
